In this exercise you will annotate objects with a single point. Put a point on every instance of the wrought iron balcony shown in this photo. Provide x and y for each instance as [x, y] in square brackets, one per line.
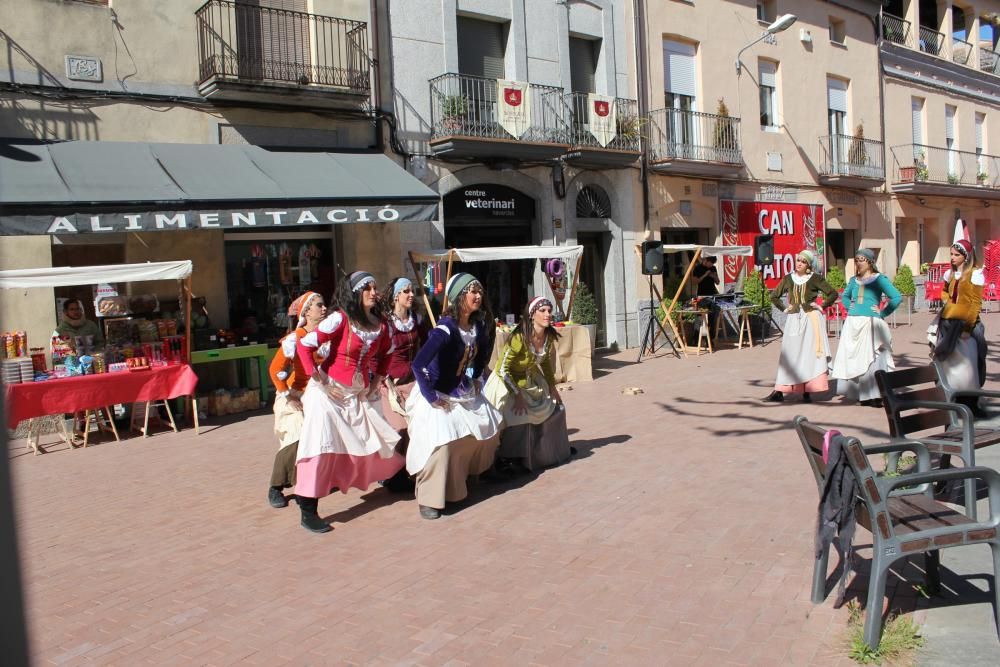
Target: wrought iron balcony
[931, 41]
[896, 30]
[960, 51]
[932, 170]
[465, 121]
[244, 50]
[851, 161]
[989, 61]
[585, 149]
[692, 142]
[927, 40]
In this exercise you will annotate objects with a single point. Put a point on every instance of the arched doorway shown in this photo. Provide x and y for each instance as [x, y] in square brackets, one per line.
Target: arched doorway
[487, 214]
[593, 202]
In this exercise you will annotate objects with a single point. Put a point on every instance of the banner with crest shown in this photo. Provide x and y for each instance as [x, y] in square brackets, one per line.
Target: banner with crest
[602, 118]
[513, 107]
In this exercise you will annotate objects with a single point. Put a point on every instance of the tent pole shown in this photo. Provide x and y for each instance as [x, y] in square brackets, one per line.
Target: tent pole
[423, 292]
[444, 300]
[572, 291]
[667, 319]
[187, 349]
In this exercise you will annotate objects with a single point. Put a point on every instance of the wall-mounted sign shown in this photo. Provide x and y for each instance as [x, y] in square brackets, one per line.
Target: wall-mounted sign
[487, 201]
[795, 227]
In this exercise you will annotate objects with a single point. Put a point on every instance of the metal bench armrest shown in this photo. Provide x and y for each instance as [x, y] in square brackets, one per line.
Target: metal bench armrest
[988, 475]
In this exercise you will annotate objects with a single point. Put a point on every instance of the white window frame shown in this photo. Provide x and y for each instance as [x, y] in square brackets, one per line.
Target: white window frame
[767, 72]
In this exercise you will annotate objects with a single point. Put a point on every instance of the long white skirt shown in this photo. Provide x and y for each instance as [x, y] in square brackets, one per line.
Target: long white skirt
[805, 350]
[865, 347]
[431, 427]
[287, 420]
[961, 368]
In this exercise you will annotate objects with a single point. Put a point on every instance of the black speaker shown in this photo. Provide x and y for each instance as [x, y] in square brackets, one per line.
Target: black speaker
[763, 249]
[652, 258]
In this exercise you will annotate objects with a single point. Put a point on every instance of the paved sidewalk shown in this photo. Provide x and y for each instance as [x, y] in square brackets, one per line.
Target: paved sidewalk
[681, 534]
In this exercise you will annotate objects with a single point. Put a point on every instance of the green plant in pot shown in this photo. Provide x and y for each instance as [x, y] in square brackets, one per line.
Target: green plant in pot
[724, 134]
[585, 309]
[755, 292]
[904, 283]
[629, 128]
[836, 279]
[857, 154]
[453, 110]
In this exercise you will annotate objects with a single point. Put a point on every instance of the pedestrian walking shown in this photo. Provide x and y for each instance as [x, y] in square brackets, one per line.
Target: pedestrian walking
[865, 340]
[453, 428]
[345, 442]
[523, 389]
[805, 352]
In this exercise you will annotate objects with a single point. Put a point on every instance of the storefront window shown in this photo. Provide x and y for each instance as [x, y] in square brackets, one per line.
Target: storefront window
[264, 276]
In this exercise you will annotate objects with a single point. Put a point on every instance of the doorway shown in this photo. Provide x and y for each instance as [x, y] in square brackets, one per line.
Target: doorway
[596, 246]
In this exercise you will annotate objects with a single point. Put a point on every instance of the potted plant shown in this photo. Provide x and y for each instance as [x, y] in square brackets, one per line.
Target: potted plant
[836, 279]
[757, 294]
[724, 136]
[924, 267]
[981, 176]
[904, 283]
[453, 110]
[585, 310]
[857, 154]
[629, 129]
[921, 164]
[953, 178]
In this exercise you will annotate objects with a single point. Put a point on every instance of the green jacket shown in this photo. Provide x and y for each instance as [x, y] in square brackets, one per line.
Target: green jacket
[517, 359]
[803, 294]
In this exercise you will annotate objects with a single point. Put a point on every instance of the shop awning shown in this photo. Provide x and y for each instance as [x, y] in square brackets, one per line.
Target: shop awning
[61, 276]
[569, 252]
[77, 187]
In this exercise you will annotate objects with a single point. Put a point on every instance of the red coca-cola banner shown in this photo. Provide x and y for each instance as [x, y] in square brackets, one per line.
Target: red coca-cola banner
[795, 227]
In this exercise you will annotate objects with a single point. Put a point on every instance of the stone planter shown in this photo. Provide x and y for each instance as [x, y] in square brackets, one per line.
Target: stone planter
[592, 330]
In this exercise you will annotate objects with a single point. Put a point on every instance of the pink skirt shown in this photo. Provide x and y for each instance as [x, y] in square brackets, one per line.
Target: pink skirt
[319, 476]
[817, 385]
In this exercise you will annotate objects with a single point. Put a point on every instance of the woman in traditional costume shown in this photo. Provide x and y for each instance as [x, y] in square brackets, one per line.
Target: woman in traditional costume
[805, 352]
[290, 380]
[453, 428]
[523, 389]
[960, 346]
[865, 340]
[408, 331]
[345, 441]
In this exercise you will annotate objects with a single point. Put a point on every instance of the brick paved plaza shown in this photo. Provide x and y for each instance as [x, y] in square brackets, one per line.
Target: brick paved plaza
[681, 534]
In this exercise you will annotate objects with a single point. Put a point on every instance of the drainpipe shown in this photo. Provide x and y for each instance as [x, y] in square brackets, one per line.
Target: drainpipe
[377, 82]
[639, 16]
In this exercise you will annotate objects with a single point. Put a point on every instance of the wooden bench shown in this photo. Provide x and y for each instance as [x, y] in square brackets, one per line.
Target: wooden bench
[903, 518]
[915, 403]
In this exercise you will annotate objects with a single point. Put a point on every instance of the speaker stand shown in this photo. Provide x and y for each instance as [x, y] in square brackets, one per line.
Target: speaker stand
[651, 333]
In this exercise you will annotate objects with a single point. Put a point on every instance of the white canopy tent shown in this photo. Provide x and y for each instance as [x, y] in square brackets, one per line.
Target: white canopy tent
[570, 254]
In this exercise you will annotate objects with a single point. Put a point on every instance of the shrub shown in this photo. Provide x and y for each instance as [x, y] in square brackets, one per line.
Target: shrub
[584, 306]
[857, 154]
[756, 293]
[904, 281]
[724, 136]
[836, 279]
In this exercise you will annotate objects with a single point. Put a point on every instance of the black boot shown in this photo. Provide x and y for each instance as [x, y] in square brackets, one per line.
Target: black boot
[276, 498]
[774, 397]
[806, 398]
[310, 516]
[429, 512]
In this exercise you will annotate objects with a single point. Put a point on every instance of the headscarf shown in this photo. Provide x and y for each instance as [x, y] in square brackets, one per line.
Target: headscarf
[809, 256]
[400, 285]
[298, 308]
[868, 254]
[65, 314]
[359, 279]
[457, 286]
[537, 303]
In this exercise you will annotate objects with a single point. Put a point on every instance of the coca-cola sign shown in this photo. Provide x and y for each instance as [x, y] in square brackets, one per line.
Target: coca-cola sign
[795, 227]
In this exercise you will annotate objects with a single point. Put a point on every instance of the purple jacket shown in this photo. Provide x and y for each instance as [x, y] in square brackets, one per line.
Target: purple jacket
[441, 363]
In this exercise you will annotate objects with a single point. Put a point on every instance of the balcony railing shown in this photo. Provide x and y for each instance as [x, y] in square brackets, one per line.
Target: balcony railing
[989, 60]
[896, 30]
[844, 155]
[918, 163]
[628, 124]
[960, 51]
[692, 135]
[250, 43]
[931, 41]
[465, 105]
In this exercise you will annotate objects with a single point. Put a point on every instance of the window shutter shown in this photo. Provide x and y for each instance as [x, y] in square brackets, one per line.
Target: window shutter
[582, 64]
[768, 74]
[949, 122]
[980, 121]
[836, 95]
[273, 45]
[679, 69]
[480, 48]
[916, 123]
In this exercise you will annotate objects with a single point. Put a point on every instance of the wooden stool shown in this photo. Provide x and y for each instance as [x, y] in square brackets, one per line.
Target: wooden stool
[103, 419]
[745, 329]
[704, 331]
[145, 407]
[37, 424]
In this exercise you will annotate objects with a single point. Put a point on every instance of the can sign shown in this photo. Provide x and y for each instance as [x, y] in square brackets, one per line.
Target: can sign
[795, 227]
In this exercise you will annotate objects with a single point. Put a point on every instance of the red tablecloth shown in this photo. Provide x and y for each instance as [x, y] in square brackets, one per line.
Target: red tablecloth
[36, 399]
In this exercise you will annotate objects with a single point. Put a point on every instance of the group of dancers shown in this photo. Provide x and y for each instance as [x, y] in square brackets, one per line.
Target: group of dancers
[959, 347]
[368, 392]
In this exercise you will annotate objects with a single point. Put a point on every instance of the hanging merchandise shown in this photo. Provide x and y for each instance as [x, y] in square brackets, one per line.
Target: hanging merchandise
[429, 280]
[285, 264]
[314, 254]
[305, 275]
[258, 267]
[438, 280]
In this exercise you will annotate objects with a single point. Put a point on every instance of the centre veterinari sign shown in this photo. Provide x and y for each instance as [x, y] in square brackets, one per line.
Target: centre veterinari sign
[795, 227]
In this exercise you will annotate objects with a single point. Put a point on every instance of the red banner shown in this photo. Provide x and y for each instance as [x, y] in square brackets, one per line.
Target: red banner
[795, 227]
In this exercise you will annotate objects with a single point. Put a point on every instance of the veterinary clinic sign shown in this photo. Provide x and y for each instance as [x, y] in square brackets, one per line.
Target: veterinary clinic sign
[144, 221]
[794, 226]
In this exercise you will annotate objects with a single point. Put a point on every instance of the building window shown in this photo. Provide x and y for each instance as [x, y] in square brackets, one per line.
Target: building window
[950, 140]
[838, 33]
[680, 91]
[583, 64]
[980, 144]
[917, 128]
[768, 95]
[767, 11]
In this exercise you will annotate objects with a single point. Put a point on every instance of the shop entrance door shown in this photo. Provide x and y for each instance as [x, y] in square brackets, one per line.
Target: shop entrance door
[592, 265]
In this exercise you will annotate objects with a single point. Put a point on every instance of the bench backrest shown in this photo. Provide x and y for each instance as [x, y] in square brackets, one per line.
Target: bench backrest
[911, 384]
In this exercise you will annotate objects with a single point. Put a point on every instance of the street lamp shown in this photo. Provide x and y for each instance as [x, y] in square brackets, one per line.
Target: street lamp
[783, 22]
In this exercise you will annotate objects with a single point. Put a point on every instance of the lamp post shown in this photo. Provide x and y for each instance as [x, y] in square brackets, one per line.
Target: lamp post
[783, 22]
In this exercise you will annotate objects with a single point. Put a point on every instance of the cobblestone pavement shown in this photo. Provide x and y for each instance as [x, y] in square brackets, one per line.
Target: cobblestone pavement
[681, 534]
